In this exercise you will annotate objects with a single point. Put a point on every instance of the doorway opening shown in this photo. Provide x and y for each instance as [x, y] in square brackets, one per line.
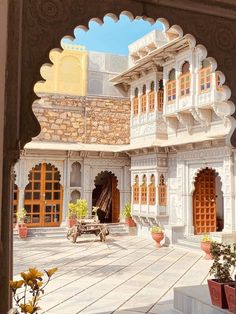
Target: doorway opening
[208, 208]
[106, 197]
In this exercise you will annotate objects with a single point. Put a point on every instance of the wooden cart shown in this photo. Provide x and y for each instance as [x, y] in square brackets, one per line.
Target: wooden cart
[88, 226]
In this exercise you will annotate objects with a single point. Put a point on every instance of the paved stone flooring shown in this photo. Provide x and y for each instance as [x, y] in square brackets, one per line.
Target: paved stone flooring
[126, 275]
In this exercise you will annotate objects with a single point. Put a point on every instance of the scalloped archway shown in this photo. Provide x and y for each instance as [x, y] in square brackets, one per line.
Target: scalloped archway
[39, 25]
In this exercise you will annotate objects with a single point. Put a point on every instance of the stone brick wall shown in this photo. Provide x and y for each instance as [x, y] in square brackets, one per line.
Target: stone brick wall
[83, 119]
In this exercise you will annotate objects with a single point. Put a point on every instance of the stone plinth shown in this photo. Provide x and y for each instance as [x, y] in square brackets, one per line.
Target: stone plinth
[195, 300]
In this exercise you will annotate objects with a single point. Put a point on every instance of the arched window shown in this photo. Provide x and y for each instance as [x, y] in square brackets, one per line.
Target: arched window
[205, 77]
[144, 191]
[151, 97]
[152, 191]
[136, 190]
[160, 96]
[135, 102]
[162, 191]
[143, 100]
[171, 87]
[75, 175]
[185, 80]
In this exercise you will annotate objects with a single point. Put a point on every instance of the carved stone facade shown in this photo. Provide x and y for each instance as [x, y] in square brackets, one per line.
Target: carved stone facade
[28, 28]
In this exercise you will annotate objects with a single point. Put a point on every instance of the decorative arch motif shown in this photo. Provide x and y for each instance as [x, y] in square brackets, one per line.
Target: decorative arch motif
[75, 174]
[143, 188]
[152, 191]
[135, 190]
[162, 191]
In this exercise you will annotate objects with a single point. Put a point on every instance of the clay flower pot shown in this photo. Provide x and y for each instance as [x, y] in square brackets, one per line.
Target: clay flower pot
[230, 296]
[129, 221]
[217, 293]
[158, 237]
[71, 222]
[206, 247]
[22, 231]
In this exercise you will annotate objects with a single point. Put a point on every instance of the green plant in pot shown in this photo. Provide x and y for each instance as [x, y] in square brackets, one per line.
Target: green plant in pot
[126, 212]
[224, 260]
[21, 220]
[157, 235]
[71, 215]
[77, 210]
[206, 242]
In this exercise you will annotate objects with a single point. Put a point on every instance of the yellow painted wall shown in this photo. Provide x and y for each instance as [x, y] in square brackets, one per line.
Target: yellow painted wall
[68, 73]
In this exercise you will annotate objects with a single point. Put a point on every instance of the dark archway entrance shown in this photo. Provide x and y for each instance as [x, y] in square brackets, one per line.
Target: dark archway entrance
[106, 196]
[207, 202]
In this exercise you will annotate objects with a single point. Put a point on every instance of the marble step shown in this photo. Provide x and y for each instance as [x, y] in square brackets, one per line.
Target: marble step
[188, 244]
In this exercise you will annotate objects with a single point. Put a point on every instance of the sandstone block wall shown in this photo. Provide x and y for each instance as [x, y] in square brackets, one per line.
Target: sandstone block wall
[83, 119]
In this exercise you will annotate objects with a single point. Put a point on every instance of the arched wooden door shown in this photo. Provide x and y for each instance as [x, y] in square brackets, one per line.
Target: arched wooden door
[204, 202]
[115, 201]
[43, 197]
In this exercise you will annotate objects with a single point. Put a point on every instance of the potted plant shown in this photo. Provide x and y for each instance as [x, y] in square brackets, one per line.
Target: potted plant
[224, 260]
[206, 242]
[157, 235]
[21, 219]
[76, 211]
[71, 216]
[126, 212]
[28, 290]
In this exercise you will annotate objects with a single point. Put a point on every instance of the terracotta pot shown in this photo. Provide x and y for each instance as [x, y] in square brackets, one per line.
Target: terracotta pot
[217, 293]
[230, 296]
[158, 237]
[206, 247]
[71, 222]
[129, 221]
[22, 231]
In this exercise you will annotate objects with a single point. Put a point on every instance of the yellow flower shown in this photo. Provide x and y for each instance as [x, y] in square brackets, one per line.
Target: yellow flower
[29, 308]
[32, 275]
[51, 271]
[16, 284]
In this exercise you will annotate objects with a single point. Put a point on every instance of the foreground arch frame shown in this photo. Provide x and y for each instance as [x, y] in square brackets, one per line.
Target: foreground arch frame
[30, 29]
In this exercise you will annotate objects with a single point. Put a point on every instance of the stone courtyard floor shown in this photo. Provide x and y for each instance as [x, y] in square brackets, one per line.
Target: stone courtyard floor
[126, 275]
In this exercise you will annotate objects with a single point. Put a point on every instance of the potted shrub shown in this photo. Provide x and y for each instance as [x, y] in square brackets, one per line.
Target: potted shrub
[206, 246]
[224, 259]
[21, 219]
[126, 212]
[157, 235]
[71, 215]
[230, 296]
[76, 211]
[29, 289]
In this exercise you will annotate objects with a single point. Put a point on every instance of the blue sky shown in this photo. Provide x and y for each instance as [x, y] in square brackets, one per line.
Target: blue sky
[113, 36]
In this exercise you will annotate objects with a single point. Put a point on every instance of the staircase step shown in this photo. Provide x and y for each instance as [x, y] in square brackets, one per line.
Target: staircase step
[188, 244]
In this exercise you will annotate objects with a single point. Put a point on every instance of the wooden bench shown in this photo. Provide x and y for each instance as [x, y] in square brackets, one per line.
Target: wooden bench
[88, 227]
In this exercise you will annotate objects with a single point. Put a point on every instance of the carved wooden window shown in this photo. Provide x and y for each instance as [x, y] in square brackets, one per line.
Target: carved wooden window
[144, 191]
[143, 100]
[171, 91]
[43, 196]
[152, 191]
[162, 191]
[136, 191]
[185, 80]
[160, 96]
[151, 98]
[205, 78]
[135, 106]
[15, 202]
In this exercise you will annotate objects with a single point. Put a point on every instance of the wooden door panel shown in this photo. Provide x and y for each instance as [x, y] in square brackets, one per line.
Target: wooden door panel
[115, 201]
[204, 202]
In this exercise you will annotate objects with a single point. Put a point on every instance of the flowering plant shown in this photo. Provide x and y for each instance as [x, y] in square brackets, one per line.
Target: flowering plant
[206, 238]
[156, 229]
[21, 215]
[79, 209]
[31, 283]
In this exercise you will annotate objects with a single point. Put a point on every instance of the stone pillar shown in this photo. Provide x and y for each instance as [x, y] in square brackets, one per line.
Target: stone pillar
[66, 190]
[88, 186]
[21, 198]
[229, 195]
[188, 201]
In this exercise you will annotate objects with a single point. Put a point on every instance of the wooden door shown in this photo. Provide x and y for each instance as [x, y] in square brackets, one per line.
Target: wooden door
[204, 202]
[115, 201]
[43, 197]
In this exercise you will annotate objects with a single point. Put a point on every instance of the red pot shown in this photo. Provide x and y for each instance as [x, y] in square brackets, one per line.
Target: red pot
[129, 221]
[206, 247]
[230, 296]
[71, 222]
[217, 293]
[23, 231]
[158, 237]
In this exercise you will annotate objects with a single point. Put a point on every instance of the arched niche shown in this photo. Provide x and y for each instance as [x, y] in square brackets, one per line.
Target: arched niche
[74, 196]
[75, 174]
